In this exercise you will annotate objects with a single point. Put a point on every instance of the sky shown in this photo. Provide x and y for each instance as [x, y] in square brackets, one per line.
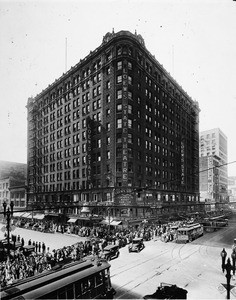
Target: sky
[195, 41]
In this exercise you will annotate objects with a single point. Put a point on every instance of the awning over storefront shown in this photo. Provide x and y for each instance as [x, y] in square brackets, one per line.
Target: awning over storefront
[51, 214]
[39, 216]
[84, 218]
[18, 214]
[27, 215]
[115, 223]
[72, 220]
[104, 222]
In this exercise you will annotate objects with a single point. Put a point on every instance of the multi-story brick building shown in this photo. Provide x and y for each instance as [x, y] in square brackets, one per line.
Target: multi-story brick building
[115, 129]
[214, 142]
[209, 181]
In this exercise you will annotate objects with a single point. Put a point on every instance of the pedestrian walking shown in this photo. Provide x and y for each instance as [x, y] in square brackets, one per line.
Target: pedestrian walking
[43, 247]
[29, 242]
[22, 242]
[223, 257]
[18, 238]
[39, 246]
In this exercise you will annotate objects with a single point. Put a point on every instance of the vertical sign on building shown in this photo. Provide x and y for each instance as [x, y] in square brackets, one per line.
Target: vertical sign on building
[125, 126]
[89, 151]
[182, 151]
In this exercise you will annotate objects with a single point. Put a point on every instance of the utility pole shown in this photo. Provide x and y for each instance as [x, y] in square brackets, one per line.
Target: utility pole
[8, 213]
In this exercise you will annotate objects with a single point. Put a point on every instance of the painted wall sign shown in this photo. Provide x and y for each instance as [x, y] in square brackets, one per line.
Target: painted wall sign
[182, 151]
[125, 127]
[89, 151]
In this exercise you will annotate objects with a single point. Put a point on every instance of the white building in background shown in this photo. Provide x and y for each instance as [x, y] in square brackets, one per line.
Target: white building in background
[4, 191]
[14, 190]
[214, 143]
[232, 188]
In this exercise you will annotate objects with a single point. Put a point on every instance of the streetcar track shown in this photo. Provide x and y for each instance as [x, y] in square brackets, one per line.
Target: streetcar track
[167, 265]
[136, 265]
[205, 247]
[178, 254]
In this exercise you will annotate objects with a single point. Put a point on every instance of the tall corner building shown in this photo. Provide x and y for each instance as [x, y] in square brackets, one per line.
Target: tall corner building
[214, 158]
[117, 129]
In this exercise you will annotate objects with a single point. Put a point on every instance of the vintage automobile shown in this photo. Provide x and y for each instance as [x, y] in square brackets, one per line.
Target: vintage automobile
[136, 245]
[38, 227]
[111, 252]
[168, 291]
[28, 249]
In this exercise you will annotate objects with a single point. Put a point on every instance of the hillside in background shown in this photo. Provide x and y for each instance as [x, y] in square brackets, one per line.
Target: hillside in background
[13, 169]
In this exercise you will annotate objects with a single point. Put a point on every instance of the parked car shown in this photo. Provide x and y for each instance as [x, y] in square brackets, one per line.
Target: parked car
[111, 252]
[137, 245]
[168, 291]
[38, 227]
[28, 249]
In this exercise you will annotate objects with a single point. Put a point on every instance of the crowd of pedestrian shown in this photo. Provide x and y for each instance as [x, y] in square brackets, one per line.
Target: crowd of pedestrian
[42, 259]
[19, 265]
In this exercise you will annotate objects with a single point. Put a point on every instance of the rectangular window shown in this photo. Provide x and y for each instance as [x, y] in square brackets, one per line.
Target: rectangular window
[119, 94]
[119, 79]
[119, 65]
[119, 123]
[130, 80]
[130, 66]
[130, 109]
[130, 95]
[119, 107]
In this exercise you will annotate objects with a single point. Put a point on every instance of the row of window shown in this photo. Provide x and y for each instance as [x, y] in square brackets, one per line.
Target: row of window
[75, 174]
[96, 183]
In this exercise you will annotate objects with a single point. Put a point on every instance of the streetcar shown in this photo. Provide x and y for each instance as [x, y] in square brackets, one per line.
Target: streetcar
[189, 232]
[76, 280]
[219, 221]
[215, 223]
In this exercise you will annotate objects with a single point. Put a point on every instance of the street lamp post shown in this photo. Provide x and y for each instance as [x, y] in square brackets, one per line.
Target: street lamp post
[8, 213]
[228, 268]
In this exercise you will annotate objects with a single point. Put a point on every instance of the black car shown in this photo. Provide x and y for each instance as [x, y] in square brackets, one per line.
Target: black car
[111, 252]
[136, 245]
[168, 291]
[28, 249]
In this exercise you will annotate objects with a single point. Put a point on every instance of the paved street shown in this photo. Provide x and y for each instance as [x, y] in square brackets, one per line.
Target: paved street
[195, 267]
